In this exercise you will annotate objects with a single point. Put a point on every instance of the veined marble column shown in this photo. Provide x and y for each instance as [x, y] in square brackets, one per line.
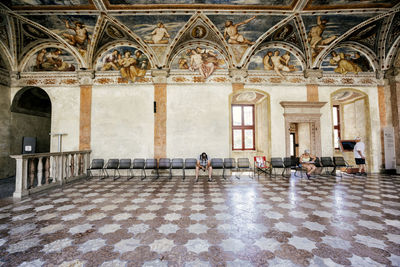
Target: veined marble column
[160, 114]
[238, 77]
[85, 80]
[312, 85]
[394, 82]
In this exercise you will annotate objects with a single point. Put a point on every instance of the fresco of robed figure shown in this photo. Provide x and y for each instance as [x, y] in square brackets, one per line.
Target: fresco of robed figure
[131, 62]
[202, 60]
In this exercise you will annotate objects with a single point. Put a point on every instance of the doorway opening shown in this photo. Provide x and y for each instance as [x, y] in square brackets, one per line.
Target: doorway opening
[31, 117]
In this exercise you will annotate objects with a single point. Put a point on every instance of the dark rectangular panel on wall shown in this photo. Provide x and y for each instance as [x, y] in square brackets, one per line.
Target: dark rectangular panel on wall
[28, 145]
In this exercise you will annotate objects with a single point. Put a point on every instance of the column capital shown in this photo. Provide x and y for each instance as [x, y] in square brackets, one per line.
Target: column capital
[86, 77]
[160, 75]
[393, 74]
[313, 74]
[238, 75]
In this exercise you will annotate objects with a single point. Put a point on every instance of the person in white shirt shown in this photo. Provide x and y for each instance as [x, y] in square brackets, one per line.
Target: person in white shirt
[359, 155]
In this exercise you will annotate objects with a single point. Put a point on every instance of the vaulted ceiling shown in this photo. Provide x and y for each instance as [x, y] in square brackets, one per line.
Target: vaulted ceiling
[370, 27]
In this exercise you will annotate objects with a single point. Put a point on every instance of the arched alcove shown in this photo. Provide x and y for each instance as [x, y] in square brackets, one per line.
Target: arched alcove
[30, 117]
[255, 105]
[351, 119]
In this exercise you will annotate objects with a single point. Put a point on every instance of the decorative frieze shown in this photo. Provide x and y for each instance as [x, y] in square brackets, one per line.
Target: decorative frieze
[160, 75]
[238, 75]
[181, 77]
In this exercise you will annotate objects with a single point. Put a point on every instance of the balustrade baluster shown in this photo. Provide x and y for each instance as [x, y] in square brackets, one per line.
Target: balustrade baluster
[72, 163]
[39, 171]
[47, 169]
[31, 172]
[80, 164]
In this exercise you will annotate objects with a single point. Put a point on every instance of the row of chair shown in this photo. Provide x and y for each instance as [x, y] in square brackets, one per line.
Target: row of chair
[294, 163]
[116, 165]
[261, 165]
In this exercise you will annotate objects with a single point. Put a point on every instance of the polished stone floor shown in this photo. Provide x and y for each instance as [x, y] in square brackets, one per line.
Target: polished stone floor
[325, 221]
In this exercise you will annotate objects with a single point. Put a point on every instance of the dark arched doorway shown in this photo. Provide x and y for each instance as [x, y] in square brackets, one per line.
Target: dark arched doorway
[31, 117]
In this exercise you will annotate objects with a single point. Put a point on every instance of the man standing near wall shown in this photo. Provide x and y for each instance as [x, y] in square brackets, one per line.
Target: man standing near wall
[359, 155]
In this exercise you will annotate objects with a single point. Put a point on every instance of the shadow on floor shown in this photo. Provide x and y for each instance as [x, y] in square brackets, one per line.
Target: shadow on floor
[7, 187]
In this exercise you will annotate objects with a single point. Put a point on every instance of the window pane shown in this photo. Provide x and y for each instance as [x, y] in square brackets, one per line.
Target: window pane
[248, 115]
[237, 115]
[248, 139]
[335, 117]
[336, 138]
[237, 139]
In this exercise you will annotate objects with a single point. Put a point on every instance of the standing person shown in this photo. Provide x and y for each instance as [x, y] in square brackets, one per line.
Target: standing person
[307, 162]
[203, 163]
[359, 155]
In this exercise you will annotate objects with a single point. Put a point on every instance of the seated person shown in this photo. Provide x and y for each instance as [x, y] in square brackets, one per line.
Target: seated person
[307, 162]
[203, 163]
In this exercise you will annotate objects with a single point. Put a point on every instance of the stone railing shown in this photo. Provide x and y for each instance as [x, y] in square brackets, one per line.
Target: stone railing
[42, 171]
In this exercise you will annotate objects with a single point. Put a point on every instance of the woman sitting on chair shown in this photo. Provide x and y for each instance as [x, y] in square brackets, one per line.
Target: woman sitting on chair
[307, 162]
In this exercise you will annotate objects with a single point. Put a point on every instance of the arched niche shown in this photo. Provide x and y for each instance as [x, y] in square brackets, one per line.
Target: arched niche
[260, 100]
[31, 116]
[352, 114]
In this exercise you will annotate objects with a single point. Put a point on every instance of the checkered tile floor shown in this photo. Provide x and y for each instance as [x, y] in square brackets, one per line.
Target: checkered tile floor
[267, 222]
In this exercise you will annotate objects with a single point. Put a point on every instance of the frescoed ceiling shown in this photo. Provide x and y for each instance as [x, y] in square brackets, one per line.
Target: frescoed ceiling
[245, 33]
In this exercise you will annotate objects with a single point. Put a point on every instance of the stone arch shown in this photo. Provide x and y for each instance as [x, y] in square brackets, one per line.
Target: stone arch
[115, 44]
[335, 42]
[193, 44]
[393, 51]
[291, 48]
[214, 38]
[6, 56]
[31, 111]
[366, 136]
[26, 58]
[259, 42]
[367, 52]
[262, 105]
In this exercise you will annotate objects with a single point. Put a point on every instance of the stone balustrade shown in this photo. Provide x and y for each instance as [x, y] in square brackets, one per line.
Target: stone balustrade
[42, 171]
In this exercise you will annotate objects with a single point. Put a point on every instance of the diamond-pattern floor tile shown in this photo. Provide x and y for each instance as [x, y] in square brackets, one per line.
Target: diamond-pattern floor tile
[325, 221]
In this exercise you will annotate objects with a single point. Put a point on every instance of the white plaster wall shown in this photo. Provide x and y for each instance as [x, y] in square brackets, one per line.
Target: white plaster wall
[122, 123]
[278, 94]
[65, 113]
[198, 120]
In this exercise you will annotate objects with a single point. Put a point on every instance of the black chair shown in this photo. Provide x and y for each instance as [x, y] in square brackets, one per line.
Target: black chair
[277, 163]
[178, 164]
[112, 164]
[165, 164]
[96, 165]
[339, 163]
[289, 164]
[298, 168]
[318, 163]
[229, 164]
[243, 164]
[125, 164]
[218, 163]
[151, 164]
[138, 164]
[327, 163]
[189, 164]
